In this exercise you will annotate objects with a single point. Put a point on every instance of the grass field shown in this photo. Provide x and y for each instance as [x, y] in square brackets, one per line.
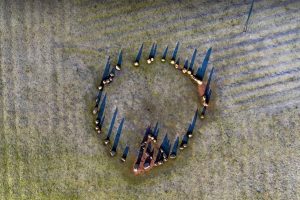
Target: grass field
[52, 57]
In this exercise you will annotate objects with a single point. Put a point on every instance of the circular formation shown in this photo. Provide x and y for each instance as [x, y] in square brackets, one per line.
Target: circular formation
[150, 153]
